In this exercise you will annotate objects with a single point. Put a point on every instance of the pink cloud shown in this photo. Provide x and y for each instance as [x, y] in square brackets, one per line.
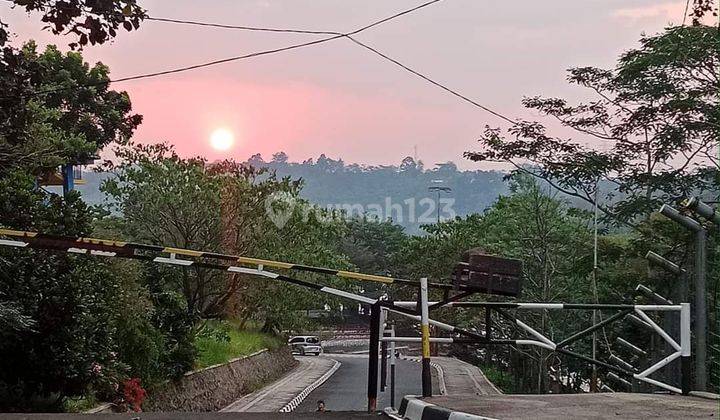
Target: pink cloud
[673, 11]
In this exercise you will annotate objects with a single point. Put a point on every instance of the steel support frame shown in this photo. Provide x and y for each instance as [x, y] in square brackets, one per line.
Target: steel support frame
[683, 349]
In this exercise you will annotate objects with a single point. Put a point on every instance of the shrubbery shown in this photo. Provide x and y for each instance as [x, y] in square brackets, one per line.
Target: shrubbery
[74, 326]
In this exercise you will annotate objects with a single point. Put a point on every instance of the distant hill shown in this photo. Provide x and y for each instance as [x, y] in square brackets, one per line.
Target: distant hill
[400, 192]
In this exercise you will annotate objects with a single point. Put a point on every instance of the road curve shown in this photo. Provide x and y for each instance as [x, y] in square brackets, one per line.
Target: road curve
[273, 397]
[346, 390]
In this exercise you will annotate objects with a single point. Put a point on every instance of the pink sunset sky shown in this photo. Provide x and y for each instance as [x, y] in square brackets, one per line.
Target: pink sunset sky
[341, 100]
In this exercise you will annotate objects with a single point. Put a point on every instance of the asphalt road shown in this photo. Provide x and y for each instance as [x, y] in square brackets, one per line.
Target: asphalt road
[346, 390]
[192, 416]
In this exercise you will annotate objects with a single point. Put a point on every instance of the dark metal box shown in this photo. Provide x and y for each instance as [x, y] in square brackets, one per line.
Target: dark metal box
[489, 274]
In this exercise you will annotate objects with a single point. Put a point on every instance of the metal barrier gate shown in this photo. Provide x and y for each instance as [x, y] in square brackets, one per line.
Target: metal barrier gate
[169, 256]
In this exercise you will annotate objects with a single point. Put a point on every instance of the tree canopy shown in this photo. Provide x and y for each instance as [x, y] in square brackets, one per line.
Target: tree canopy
[90, 21]
[76, 116]
[649, 133]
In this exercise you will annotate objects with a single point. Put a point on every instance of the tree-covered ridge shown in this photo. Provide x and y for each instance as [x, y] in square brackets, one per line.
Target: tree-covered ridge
[331, 182]
[400, 191]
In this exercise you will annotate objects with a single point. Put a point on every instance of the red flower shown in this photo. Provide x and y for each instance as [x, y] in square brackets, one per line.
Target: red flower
[134, 393]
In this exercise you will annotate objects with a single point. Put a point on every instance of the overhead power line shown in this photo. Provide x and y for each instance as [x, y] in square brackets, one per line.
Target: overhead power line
[243, 28]
[240, 57]
[349, 36]
[431, 81]
[216, 62]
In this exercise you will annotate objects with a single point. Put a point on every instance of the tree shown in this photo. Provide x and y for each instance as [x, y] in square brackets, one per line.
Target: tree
[279, 157]
[399, 192]
[658, 113]
[408, 165]
[372, 244]
[554, 243]
[169, 201]
[700, 9]
[311, 236]
[75, 117]
[224, 207]
[91, 21]
[58, 310]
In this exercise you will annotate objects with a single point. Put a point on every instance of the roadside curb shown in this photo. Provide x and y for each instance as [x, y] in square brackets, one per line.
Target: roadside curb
[413, 408]
[295, 402]
[705, 395]
[441, 373]
[102, 408]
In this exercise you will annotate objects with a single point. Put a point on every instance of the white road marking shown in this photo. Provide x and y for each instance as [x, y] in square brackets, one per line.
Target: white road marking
[278, 395]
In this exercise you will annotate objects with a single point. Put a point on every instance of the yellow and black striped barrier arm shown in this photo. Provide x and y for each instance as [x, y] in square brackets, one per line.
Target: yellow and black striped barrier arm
[121, 249]
[107, 247]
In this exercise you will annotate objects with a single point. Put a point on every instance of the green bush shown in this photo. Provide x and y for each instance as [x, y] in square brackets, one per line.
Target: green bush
[71, 347]
[155, 334]
[503, 380]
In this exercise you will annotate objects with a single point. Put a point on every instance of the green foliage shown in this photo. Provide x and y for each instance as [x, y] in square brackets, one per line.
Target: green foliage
[370, 244]
[94, 22]
[71, 326]
[220, 342]
[332, 183]
[551, 239]
[76, 116]
[502, 379]
[70, 348]
[660, 105]
[306, 238]
[158, 194]
[80, 404]
[22, 206]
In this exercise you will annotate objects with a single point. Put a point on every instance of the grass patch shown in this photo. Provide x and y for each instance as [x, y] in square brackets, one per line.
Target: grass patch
[220, 342]
[502, 380]
[79, 404]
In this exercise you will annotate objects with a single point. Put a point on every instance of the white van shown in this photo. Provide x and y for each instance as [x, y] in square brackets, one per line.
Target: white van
[305, 344]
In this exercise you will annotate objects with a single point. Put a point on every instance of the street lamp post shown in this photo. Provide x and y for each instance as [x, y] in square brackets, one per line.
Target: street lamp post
[438, 189]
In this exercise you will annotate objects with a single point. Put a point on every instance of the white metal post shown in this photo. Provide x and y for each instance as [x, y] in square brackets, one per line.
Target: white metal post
[425, 330]
[685, 347]
[392, 367]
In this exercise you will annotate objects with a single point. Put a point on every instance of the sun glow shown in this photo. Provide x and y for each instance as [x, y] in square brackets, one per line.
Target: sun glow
[222, 139]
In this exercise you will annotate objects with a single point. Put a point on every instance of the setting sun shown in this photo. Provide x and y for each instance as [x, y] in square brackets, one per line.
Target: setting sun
[222, 139]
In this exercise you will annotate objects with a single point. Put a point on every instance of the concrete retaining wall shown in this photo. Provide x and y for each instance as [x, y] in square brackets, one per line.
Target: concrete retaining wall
[215, 387]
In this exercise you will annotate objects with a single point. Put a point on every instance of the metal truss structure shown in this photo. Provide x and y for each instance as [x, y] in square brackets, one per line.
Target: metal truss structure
[209, 260]
[682, 349]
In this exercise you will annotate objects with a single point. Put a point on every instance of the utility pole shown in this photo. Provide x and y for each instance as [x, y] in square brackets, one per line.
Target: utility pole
[594, 378]
[383, 351]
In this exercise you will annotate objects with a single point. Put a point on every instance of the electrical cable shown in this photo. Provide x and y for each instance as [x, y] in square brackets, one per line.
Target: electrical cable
[230, 59]
[244, 28]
